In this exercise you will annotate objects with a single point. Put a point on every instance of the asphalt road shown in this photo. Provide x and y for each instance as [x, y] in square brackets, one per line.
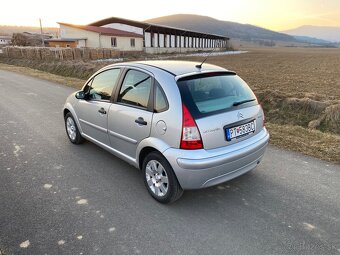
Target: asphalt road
[59, 198]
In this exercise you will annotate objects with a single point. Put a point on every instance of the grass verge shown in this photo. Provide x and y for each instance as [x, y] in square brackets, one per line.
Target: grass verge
[67, 81]
[307, 141]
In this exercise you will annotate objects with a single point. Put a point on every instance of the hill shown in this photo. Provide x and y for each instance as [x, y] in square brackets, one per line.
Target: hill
[9, 30]
[312, 40]
[325, 33]
[206, 24]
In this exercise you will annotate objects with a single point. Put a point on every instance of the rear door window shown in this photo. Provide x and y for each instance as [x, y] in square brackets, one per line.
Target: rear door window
[135, 89]
[211, 93]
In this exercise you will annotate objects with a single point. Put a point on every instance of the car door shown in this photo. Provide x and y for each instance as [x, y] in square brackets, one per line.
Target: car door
[93, 111]
[130, 116]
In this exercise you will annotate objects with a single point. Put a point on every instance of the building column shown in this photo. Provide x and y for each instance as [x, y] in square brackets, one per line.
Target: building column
[152, 39]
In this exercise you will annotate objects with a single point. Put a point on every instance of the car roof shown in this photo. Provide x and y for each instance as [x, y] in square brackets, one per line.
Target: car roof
[176, 67]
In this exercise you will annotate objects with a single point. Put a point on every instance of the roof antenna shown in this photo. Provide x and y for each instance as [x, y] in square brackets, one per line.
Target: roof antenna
[200, 65]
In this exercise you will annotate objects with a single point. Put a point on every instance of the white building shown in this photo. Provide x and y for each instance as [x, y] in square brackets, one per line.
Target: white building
[100, 37]
[130, 35]
[159, 39]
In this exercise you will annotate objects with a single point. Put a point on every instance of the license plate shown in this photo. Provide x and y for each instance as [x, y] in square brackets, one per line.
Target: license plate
[241, 130]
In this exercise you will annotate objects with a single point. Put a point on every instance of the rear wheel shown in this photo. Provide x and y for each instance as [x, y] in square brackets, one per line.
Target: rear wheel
[72, 129]
[160, 180]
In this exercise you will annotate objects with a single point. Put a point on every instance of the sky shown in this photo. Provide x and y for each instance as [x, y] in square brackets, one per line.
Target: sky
[277, 15]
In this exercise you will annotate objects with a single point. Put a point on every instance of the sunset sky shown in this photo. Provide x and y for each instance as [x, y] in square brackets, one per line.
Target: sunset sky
[272, 14]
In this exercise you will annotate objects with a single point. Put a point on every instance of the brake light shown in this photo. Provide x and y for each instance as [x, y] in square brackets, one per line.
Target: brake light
[191, 138]
[263, 117]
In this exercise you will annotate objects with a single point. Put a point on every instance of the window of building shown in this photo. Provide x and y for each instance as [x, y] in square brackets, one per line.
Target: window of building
[113, 41]
[67, 46]
[132, 42]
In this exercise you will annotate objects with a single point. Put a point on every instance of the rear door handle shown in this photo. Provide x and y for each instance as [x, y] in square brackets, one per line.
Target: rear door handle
[141, 121]
[102, 111]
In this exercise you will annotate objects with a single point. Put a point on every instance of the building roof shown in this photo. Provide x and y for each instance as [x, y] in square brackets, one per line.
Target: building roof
[149, 27]
[103, 30]
[65, 39]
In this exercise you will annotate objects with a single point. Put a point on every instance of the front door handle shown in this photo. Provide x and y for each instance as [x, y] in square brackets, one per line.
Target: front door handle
[102, 111]
[141, 121]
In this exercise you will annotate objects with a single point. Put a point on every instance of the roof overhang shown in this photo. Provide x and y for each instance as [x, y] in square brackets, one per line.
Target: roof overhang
[149, 27]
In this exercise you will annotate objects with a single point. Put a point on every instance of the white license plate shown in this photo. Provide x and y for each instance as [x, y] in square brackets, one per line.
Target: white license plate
[242, 130]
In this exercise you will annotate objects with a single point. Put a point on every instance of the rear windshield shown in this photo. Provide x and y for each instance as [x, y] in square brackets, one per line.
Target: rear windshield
[208, 94]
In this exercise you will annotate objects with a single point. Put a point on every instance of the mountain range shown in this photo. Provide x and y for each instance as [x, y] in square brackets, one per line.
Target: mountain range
[331, 34]
[206, 24]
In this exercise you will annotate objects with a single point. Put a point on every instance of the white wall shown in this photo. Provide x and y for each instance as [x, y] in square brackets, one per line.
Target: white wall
[95, 40]
[124, 27]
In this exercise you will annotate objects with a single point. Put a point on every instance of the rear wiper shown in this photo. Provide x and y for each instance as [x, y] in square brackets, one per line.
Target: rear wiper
[243, 102]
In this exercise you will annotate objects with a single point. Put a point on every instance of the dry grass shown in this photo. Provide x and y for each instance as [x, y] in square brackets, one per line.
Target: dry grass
[310, 142]
[67, 81]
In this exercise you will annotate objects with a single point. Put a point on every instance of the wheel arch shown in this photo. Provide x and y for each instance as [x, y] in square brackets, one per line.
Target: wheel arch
[148, 145]
[68, 108]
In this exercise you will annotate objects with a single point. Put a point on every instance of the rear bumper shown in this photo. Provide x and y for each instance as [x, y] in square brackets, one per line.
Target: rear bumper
[204, 168]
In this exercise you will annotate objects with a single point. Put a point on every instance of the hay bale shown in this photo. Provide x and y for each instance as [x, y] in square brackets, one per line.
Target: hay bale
[305, 104]
[47, 54]
[15, 52]
[86, 54]
[30, 53]
[5, 52]
[107, 53]
[100, 53]
[333, 114]
[67, 54]
[77, 53]
[115, 53]
[93, 54]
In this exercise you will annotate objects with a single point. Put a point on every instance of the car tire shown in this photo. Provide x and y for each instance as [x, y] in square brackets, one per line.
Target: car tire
[72, 130]
[160, 180]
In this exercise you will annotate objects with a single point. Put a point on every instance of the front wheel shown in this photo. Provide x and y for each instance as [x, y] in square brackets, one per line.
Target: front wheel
[72, 129]
[160, 180]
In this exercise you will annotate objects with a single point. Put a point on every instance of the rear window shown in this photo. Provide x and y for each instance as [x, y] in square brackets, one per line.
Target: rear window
[208, 94]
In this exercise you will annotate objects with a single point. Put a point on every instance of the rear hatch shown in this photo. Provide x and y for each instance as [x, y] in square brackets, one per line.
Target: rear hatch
[223, 106]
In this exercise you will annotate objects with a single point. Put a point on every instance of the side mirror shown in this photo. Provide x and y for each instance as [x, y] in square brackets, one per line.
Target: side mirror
[80, 95]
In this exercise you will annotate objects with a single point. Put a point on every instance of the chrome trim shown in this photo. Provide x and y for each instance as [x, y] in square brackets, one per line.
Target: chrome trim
[125, 138]
[93, 125]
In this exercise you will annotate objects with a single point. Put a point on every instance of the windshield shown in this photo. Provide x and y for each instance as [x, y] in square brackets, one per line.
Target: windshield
[211, 93]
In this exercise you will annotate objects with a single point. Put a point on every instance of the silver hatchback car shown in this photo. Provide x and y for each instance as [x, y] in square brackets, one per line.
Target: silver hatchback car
[185, 125]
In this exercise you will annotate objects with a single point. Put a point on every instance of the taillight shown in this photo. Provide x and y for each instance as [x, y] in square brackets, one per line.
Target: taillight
[191, 138]
[263, 118]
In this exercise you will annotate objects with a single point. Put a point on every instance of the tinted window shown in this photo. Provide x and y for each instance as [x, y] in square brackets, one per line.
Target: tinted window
[103, 85]
[160, 103]
[210, 93]
[135, 89]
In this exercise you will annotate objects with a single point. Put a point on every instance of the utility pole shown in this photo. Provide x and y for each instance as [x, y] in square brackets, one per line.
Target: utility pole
[41, 32]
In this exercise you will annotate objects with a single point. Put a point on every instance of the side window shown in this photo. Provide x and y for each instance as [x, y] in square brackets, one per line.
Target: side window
[103, 84]
[132, 42]
[113, 41]
[135, 89]
[160, 102]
